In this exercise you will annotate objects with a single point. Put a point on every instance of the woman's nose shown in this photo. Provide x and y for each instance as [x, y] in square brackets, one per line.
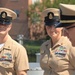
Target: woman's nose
[52, 28]
[1, 26]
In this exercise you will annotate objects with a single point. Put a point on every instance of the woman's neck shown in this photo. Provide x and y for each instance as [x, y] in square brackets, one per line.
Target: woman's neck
[55, 40]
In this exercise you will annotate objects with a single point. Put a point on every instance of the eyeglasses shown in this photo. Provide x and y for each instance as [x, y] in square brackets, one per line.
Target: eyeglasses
[70, 27]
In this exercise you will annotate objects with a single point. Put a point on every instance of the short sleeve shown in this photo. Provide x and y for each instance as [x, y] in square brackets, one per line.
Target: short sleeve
[21, 62]
[72, 56]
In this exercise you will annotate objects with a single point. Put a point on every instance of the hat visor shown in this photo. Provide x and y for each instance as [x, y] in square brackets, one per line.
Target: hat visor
[51, 23]
[5, 23]
[58, 25]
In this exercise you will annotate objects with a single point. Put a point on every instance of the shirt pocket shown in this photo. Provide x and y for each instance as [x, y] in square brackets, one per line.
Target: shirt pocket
[6, 60]
[6, 64]
[53, 62]
[63, 62]
[44, 59]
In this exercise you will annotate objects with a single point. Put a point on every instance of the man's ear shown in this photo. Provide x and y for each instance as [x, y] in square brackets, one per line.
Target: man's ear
[65, 32]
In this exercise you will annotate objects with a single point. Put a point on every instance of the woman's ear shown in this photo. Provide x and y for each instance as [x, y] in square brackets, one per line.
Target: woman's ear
[62, 30]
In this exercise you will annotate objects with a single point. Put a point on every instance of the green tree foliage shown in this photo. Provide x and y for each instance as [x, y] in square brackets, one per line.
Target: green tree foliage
[33, 14]
[47, 3]
[39, 7]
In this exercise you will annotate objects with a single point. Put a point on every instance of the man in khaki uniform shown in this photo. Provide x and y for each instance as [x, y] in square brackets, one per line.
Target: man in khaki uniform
[13, 56]
[67, 20]
[57, 54]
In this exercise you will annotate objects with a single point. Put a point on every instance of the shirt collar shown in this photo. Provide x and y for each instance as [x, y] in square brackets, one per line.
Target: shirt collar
[8, 43]
[59, 43]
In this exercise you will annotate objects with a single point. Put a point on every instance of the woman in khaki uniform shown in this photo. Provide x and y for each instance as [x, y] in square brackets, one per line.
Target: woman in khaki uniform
[57, 54]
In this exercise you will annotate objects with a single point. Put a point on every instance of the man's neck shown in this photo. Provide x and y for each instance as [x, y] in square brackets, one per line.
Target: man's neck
[3, 39]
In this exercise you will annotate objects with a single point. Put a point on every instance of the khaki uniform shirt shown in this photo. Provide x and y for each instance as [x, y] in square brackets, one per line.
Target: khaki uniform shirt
[13, 58]
[58, 60]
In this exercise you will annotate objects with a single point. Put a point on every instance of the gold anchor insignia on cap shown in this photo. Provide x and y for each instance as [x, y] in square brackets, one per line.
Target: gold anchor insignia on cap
[3, 14]
[51, 15]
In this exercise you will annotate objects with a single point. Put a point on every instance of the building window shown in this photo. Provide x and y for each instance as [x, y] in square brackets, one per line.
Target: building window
[17, 12]
[33, 1]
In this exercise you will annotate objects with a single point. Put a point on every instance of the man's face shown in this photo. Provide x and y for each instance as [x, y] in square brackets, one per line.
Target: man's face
[4, 29]
[70, 32]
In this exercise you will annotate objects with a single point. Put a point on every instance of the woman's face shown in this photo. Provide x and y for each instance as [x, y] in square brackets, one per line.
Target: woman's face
[53, 32]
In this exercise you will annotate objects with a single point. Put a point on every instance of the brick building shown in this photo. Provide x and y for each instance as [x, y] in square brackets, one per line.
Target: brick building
[20, 25]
